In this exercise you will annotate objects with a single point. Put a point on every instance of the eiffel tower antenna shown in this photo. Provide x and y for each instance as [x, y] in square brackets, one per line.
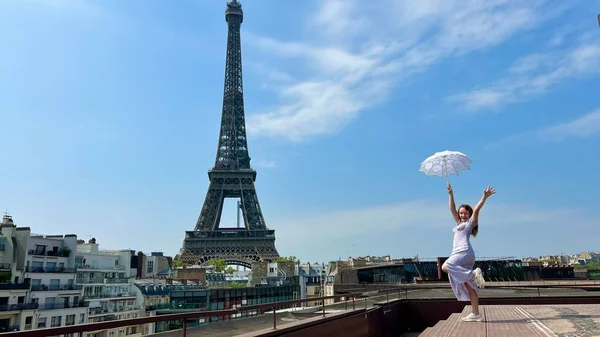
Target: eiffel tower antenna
[231, 177]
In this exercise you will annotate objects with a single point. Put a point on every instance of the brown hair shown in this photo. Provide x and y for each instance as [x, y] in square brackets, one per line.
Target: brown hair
[470, 210]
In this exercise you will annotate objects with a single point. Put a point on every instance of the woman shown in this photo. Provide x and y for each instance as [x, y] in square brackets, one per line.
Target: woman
[464, 280]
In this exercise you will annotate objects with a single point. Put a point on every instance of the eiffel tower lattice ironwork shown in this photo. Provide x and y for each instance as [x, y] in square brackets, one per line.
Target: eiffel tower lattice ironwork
[231, 177]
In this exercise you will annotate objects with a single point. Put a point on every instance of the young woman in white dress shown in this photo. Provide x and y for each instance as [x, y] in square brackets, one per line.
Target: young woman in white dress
[464, 280]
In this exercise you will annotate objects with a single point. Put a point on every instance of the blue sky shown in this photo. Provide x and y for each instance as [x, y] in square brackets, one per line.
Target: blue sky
[110, 113]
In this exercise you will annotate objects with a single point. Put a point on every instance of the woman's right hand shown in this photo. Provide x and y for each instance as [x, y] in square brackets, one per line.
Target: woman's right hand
[449, 188]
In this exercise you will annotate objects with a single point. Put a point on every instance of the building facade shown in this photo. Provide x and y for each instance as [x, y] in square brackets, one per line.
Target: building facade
[107, 283]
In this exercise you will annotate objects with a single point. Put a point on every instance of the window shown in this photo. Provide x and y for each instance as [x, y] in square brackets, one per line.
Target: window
[150, 266]
[70, 320]
[55, 321]
[40, 250]
[41, 322]
[50, 266]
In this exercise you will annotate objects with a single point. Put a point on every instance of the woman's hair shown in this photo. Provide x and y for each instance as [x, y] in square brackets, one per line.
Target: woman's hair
[470, 210]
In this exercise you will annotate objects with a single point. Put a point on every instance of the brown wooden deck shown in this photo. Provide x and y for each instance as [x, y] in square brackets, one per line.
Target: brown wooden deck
[505, 320]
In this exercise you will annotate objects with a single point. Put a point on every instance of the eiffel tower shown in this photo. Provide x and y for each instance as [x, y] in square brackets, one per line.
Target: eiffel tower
[231, 177]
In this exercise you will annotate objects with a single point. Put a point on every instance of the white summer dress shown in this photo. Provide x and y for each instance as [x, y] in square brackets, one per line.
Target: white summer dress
[461, 261]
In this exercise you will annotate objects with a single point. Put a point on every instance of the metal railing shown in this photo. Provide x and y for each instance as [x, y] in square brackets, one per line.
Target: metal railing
[42, 252]
[30, 269]
[354, 300]
[14, 286]
[52, 306]
[18, 307]
[102, 295]
[56, 287]
[5, 266]
[104, 311]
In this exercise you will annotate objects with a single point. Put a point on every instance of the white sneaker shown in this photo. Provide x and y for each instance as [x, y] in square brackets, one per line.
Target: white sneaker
[473, 318]
[479, 280]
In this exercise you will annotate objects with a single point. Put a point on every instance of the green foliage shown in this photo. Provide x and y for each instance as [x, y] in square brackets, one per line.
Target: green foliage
[64, 251]
[237, 285]
[5, 277]
[220, 265]
[286, 259]
[229, 270]
[178, 263]
[589, 266]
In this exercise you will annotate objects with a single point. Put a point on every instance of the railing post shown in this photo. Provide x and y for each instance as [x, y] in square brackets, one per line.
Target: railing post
[274, 318]
[184, 327]
[353, 304]
[323, 300]
[387, 296]
[538, 288]
[406, 293]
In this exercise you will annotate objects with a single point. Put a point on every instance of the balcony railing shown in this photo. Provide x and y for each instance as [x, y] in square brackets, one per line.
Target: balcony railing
[116, 280]
[2, 246]
[5, 266]
[29, 269]
[102, 281]
[84, 267]
[103, 295]
[56, 287]
[14, 286]
[105, 311]
[52, 306]
[176, 306]
[19, 307]
[42, 252]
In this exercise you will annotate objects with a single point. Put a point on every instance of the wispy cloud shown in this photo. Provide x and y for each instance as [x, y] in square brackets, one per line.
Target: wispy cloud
[534, 75]
[263, 163]
[361, 49]
[582, 127]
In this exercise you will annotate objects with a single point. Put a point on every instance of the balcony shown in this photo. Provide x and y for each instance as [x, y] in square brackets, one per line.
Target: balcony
[43, 252]
[50, 270]
[19, 307]
[105, 311]
[52, 306]
[103, 295]
[103, 281]
[14, 286]
[56, 287]
[88, 267]
[116, 280]
[176, 306]
[2, 246]
[5, 266]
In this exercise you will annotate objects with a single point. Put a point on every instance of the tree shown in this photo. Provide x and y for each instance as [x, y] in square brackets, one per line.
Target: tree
[220, 265]
[178, 263]
[286, 259]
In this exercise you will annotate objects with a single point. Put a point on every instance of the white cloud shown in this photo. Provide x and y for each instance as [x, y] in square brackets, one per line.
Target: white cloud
[582, 127]
[266, 163]
[362, 48]
[534, 75]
